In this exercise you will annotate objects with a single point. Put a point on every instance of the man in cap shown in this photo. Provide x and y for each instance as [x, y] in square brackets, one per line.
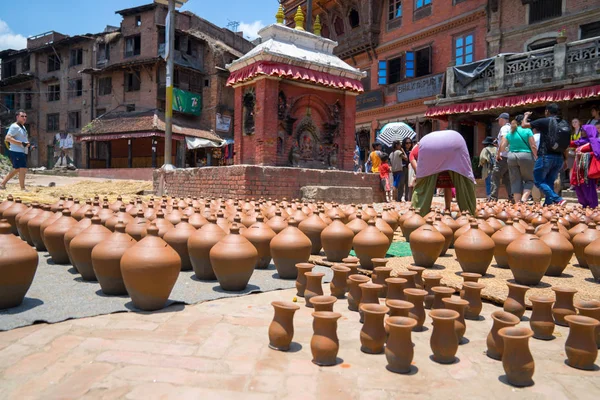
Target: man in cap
[500, 171]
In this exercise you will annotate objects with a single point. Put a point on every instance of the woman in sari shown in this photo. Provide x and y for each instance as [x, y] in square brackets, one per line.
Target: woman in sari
[587, 146]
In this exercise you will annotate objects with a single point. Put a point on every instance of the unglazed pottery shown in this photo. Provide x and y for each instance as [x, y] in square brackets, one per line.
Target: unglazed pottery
[260, 235]
[426, 245]
[446, 231]
[312, 228]
[380, 274]
[82, 245]
[439, 293]
[398, 308]
[301, 278]
[354, 290]
[528, 259]
[444, 342]
[313, 286]
[416, 297]
[233, 259]
[541, 320]
[515, 301]
[75, 230]
[178, 237]
[395, 288]
[339, 285]
[337, 240]
[495, 344]
[399, 350]
[502, 239]
[410, 278]
[474, 250]
[581, 345]
[370, 243]
[590, 308]
[563, 305]
[54, 237]
[106, 261]
[372, 334]
[199, 245]
[324, 344]
[562, 251]
[472, 294]
[419, 276]
[460, 306]
[323, 303]
[369, 295]
[288, 248]
[411, 224]
[592, 257]
[517, 360]
[281, 329]
[582, 240]
[34, 227]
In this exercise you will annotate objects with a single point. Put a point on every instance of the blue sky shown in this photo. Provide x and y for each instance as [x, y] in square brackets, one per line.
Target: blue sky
[18, 20]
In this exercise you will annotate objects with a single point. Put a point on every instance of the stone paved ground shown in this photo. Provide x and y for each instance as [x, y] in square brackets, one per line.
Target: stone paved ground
[219, 350]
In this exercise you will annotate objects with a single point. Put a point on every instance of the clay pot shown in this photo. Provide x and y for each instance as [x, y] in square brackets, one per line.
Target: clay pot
[354, 290]
[581, 345]
[528, 259]
[385, 228]
[121, 215]
[6, 203]
[563, 305]
[260, 235]
[82, 245]
[162, 224]
[582, 240]
[54, 237]
[474, 250]
[337, 240]
[590, 308]
[562, 251]
[541, 320]
[502, 239]
[323, 303]
[391, 218]
[301, 278]
[419, 276]
[106, 261]
[197, 220]
[370, 243]
[199, 245]
[430, 280]
[411, 224]
[312, 228]
[288, 248]
[399, 308]
[150, 269]
[446, 232]
[178, 237]
[369, 295]
[281, 329]
[439, 293]
[324, 344]
[592, 257]
[517, 360]
[444, 342]
[339, 285]
[34, 227]
[468, 277]
[314, 287]
[460, 306]
[380, 274]
[580, 227]
[472, 294]
[10, 214]
[495, 344]
[18, 264]
[233, 259]
[416, 297]
[357, 224]
[278, 223]
[515, 301]
[137, 227]
[410, 278]
[23, 220]
[372, 334]
[395, 288]
[399, 351]
[426, 245]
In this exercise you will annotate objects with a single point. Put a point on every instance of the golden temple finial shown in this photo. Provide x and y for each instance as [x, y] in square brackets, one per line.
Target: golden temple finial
[317, 26]
[280, 16]
[299, 18]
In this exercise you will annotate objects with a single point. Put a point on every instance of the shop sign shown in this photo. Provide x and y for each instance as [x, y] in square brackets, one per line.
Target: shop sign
[420, 88]
[369, 100]
[223, 123]
[187, 102]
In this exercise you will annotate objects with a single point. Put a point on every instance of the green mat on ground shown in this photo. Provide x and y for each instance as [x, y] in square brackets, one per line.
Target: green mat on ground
[397, 249]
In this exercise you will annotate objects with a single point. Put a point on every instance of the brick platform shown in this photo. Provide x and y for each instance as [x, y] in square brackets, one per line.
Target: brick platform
[247, 181]
[139, 174]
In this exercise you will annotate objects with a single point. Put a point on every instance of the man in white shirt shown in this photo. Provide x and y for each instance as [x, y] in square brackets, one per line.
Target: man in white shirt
[18, 147]
[500, 171]
[64, 155]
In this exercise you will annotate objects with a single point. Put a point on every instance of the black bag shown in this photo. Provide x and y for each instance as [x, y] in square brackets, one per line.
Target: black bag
[559, 135]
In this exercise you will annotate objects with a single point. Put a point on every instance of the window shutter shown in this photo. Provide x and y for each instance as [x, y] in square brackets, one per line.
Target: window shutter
[409, 65]
[382, 74]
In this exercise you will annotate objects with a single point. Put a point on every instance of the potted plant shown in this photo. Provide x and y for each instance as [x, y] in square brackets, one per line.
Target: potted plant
[562, 35]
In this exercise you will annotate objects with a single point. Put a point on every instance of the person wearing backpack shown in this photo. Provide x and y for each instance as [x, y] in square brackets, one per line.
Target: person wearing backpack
[487, 161]
[521, 159]
[555, 138]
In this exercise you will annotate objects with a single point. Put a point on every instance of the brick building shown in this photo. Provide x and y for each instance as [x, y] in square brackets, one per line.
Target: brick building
[84, 84]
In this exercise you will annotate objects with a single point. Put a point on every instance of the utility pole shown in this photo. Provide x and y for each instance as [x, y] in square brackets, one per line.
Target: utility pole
[169, 52]
[309, 26]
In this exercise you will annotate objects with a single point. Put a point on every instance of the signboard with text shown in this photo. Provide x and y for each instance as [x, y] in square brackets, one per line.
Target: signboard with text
[420, 88]
[369, 100]
[187, 102]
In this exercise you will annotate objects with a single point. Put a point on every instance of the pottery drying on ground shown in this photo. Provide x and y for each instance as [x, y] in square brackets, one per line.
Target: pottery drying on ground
[106, 261]
[288, 248]
[120, 215]
[580, 347]
[495, 344]
[380, 274]
[430, 280]
[75, 230]
[199, 245]
[440, 293]
[233, 259]
[312, 228]
[260, 235]
[54, 237]
[416, 297]
[137, 227]
[34, 227]
[10, 214]
[590, 308]
[426, 245]
[302, 268]
[395, 288]
[460, 306]
[562, 251]
[323, 303]
[24, 218]
[337, 240]
[582, 240]
[339, 285]
[517, 360]
[281, 329]
[398, 308]
[385, 228]
[324, 344]
[278, 223]
[474, 250]
[419, 275]
[541, 320]
[399, 351]
[178, 237]
[411, 224]
[354, 290]
[502, 239]
[82, 245]
[515, 300]
[313, 286]
[528, 259]
[372, 334]
[472, 294]
[369, 295]
[563, 305]
[444, 342]
[592, 257]
[446, 232]
[370, 243]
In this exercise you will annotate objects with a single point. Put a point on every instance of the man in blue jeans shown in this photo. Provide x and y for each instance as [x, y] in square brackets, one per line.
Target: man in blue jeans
[549, 163]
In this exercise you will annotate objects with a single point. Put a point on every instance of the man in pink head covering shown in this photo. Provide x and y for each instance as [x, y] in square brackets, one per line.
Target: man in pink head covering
[585, 187]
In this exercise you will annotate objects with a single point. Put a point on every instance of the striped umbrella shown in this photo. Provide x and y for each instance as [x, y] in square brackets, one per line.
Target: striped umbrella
[395, 131]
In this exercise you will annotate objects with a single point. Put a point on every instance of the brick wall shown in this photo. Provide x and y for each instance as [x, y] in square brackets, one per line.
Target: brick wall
[247, 181]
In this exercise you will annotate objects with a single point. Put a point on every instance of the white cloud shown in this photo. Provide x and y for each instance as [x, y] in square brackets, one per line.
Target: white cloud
[251, 30]
[9, 39]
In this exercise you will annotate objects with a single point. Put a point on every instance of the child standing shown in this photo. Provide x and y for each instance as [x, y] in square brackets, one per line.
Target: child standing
[384, 175]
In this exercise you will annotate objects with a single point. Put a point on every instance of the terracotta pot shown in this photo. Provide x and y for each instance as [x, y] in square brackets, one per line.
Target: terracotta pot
[10, 214]
[444, 342]
[430, 280]
[528, 259]
[502, 239]
[468, 277]
[199, 245]
[323, 303]
[6, 203]
[197, 220]
[337, 240]
[137, 226]
[314, 286]
[351, 260]
[580, 227]
[517, 360]
[278, 223]
[288, 248]
[372, 334]
[495, 344]
[474, 250]
[54, 237]
[399, 351]
[233, 259]
[312, 228]
[590, 308]
[18, 264]
[178, 237]
[395, 288]
[301, 278]
[369, 295]
[581, 345]
[82, 245]
[416, 297]
[161, 223]
[370, 243]
[446, 232]
[23, 220]
[390, 218]
[106, 261]
[472, 294]
[260, 235]
[562, 251]
[460, 306]
[411, 224]
[410, 278]
[379, 276]
[582, 240]
[592, 257]
[354, 290]
[34, 227]
[121, 215]
[324, 344]
[515, 301]
[418, 276]
[150, 269]
[426, 245]
[399, 308]
[541, 320]
[439, 293]
[281, 329]
[357, 224]
[75, 230]
[339, 285]
[385, 228]
[563, 305]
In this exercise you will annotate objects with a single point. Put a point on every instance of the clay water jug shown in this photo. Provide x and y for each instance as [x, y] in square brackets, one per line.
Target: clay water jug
[199, 245]
[398, 308]
[446, 231]
[429, 281]
[385, 228]
[82, 245]
[372, 334]
[410, 278]
[380, 274]
[120, 215]
[517, 360]
[581, 345]
[590, 308]
[323, 303]
[260, 235]
[444, 342]
[337, 240]
[34, 227]
[54, 237]
[278, 223]
[440, 293]
[324, 344]
[10, 214]
[105, 213]
[162, 224]
[136, 227]
[106, 261]
[411, 224]
[582, 240]
[388, 216]
[399, 351]
[460, 306]
[541, 320]
[416, 297]
[313, 286]
[116, 206]
[515, 301]
[502, 239]
[339, 285]
[354, 290]
[24, 219]
[80, 213]
[474, 250]
[395, 288]
[592, 258]
[312, 228]
[357, 224]
[301, 277]
[197, 220]
[472, 294]
[528, 259]
[288, 248]
[281, 329]
[468, 277]
[563, 305]
[562, 251]
[6, 203]
[495, 223]
[177, 237]
[495, 344]
[426, 245]
[369, 295]
[233, 259]
[150, 269]
[580, 227]
[18, 264]
[370, 243]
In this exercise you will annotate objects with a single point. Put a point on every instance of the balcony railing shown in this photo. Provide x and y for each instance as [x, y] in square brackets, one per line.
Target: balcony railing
[561, 64]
